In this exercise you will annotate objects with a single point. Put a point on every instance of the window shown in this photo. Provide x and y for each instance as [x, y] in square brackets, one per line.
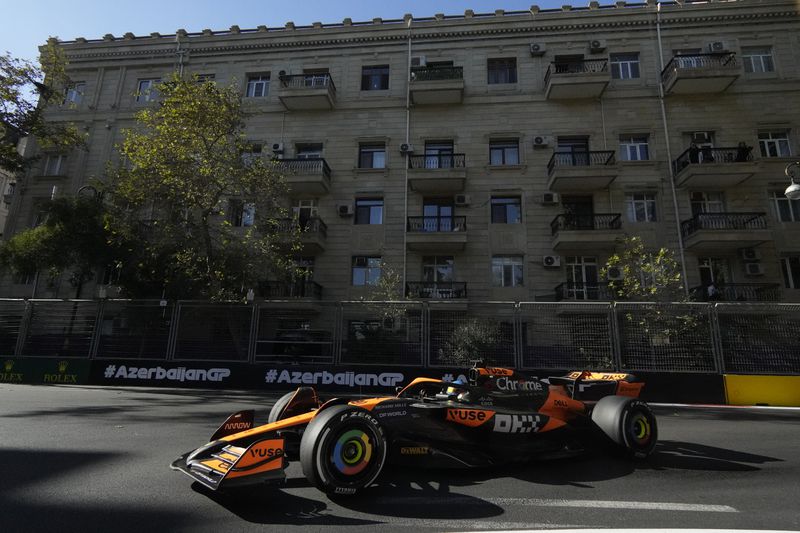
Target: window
[146, 90]
[54, 165]
[582, 276]
[633, 148]
[252, 154]
[625, 66]
[257, 86]
[439, 154]
[366, 270]
[757, 59]
[437, 268]
[641, 207]
[504, 152]
[707, 202]
[502, 70]
[372, 156]
[203, 78]
[506, 210]
[305, 210]
[774, 144]
[75, 92]
[791, 271]
[308, 151]
[507, 271]
[241, 214]
[375, 78]
[369, 211]
[785, 210]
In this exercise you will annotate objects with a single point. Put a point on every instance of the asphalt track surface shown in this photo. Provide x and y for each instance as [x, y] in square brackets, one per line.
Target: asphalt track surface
[97, 459]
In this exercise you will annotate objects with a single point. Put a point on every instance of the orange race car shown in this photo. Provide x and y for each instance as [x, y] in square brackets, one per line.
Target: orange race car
[499, 416]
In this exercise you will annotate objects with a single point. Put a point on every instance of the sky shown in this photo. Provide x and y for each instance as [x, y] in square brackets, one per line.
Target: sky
[28, 24]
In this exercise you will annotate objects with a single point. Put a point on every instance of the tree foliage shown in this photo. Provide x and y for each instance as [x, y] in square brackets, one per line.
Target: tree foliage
[170, 199]
[26, 91]
[646, 276]
[71, 238]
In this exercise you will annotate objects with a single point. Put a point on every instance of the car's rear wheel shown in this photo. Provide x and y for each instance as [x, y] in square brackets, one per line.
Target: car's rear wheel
[343, 450]
[628, 422]
[276, 410]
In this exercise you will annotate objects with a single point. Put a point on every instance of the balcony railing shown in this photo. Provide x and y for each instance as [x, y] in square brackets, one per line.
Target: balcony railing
[436, 73]
[691, 156]
[307, 81]
[580, 159]
[316, 166]
[436, 290]
[437, 161]
[737, 292]
[569, 222]
[309, 225]
[724, 221]
[585, 66]
[436, 224]
[716, 60]
[578, 290]
[279, 290]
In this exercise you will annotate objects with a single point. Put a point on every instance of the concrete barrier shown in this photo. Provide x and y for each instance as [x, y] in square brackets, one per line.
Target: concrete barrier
[762, 390]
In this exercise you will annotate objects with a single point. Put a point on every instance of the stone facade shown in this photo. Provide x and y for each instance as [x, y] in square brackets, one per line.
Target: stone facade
[582, 82]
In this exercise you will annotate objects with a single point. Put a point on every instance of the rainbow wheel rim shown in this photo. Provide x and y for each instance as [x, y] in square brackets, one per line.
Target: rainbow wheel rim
[352, 452]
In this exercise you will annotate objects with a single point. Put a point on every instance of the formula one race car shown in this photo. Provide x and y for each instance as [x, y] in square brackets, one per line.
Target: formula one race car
[499, 416]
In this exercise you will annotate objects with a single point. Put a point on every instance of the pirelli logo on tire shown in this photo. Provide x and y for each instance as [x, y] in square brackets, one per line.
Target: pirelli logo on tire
[469, 417]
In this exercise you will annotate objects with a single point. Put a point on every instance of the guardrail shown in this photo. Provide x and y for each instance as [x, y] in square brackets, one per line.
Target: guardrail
[436, 224]
[436, 73]
[571, 222]
[724, 221]
[436, 290]
[706, 154]
[714, 60]
[585, 66]
[437, 161]
[314, 166]
[580, 159]
[307, 81]
[671, 337]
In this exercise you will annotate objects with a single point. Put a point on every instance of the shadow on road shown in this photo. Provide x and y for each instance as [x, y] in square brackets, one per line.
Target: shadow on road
[22, 467]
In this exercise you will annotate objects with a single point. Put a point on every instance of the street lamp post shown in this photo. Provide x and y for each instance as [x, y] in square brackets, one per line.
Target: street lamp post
[792, 171]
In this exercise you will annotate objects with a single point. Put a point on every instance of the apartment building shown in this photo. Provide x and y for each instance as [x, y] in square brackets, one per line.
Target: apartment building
[494, 156]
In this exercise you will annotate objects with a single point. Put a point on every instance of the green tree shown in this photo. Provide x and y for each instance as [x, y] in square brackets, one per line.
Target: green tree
[646, 276]
[26, 91]
[196, 217]
[72, 239]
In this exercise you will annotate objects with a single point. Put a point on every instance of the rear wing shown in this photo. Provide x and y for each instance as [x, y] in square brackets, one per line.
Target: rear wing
[589, 386]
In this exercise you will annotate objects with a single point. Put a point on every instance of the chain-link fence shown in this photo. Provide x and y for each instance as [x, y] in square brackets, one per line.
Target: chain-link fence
[698, 337]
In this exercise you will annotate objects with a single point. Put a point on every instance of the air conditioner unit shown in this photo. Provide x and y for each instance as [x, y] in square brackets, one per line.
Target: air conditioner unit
[754, 269]
[597, 46]
[406, 148]
[614, 273]
[345, 210]
[551, 261]
[462, 200]
[718, 46]
[277, 148]
[750, 254]
[538, 49]
[419, 61]
[550, 198]
[542, 141]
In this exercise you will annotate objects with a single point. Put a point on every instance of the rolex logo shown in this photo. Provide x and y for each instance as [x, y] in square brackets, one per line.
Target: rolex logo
[62, 366]
[8, 365]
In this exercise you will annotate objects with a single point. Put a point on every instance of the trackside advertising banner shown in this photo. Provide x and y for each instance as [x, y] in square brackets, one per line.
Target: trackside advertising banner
[44, 370]
[261, 376]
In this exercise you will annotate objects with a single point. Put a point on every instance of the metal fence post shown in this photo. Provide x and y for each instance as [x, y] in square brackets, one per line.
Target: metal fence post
[24, 325]
[716, 336]
[517, 334]
[337, 333]
[255, 319]
[423, 325]
[94, 344]
[173, 331]
[616, 341]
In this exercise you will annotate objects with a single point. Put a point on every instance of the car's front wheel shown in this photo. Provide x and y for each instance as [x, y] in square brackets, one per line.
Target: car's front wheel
[343, 450]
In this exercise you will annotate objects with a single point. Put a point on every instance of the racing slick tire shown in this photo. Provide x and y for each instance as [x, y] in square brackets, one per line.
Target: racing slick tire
[275, 412]
[628, 422]
[343, 450]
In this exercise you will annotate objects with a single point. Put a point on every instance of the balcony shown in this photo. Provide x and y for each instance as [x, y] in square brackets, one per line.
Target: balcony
[305, 176]
[569, 80]
[436, 234]
[302, 92]
[578, 290]
[725, 232]
[437, 85]
[714, 168]
[444, 173]
[737, 292]
[586, 232]
[289, 290]
[436, 290]
[313, 232]
[581, 171]
[700, 73]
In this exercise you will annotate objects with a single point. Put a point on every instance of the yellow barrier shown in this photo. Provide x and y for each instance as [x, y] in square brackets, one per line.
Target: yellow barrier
[763, 390]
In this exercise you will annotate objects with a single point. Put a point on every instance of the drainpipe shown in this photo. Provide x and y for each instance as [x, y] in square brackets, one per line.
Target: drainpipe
[669, 152]
[409, 20]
